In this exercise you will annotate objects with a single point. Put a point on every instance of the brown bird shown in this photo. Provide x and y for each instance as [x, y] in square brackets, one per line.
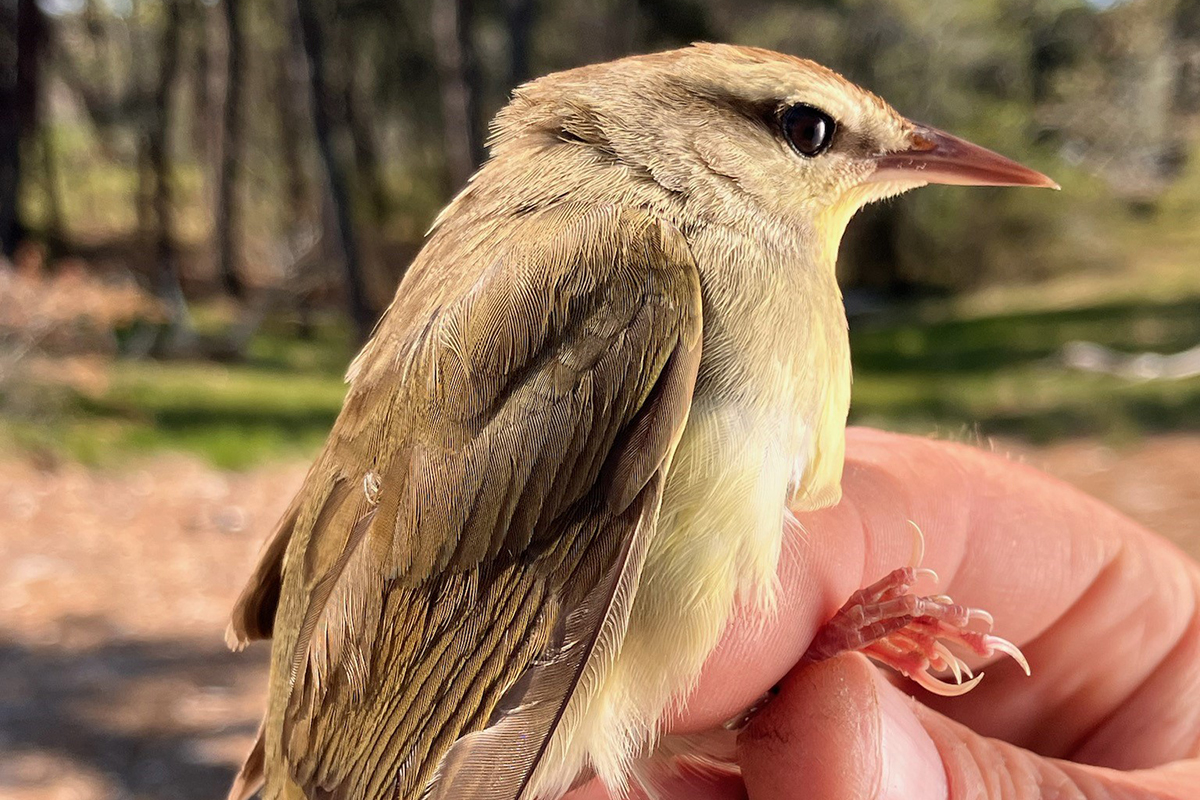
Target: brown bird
[570, 446]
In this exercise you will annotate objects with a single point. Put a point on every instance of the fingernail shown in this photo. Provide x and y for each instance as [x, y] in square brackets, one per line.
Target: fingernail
[912, 767]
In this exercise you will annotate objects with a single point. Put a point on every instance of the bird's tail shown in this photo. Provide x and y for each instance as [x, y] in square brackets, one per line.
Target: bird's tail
[251, 776]
[711, 753]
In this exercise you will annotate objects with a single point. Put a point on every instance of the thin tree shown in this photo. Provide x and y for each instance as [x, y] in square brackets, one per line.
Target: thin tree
[458, 76]
[313, 38]
[141, 87]
[228, 211]
[519, 17]
[21, 45]
[292, 119]
[158, 160]
[368, 172]
[291, 84]
[55, 224]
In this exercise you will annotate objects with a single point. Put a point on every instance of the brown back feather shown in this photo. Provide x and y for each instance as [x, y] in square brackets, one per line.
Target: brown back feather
[504, 490]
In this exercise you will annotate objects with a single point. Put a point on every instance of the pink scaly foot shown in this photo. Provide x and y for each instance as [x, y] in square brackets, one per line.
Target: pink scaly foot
[909, 633]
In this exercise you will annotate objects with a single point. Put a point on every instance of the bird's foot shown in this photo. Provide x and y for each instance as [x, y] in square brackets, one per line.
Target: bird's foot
[910, 633]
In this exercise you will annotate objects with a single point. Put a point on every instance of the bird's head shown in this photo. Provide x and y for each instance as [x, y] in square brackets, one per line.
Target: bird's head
[748, 137]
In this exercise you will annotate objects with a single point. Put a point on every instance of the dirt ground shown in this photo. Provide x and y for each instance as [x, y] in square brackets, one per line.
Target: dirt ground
[114, 680]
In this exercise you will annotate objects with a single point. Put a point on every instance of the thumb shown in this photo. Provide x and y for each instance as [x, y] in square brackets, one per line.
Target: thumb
[839, 731]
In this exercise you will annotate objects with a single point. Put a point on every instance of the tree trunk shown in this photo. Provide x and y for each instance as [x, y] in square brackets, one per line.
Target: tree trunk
[158, 156]
[519, 18]
[143, 199]
[55, 224]
[94, 81]
[10, 134]
[19, 90]
[368, 178]
[459, 78]
[290, 86]
[292, 117]
[97, 27]
[228, 212]
[366, 153]
[314, 47]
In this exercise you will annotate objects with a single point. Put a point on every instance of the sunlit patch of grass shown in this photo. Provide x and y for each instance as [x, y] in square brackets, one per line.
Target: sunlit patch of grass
[279, 402]
[1001, 374]
[232, 416]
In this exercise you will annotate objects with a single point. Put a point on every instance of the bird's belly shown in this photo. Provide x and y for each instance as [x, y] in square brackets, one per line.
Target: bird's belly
[718, 539]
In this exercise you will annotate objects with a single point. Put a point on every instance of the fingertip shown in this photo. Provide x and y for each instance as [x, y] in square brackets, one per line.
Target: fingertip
[911, 765]
[822, 729]
[841, 730]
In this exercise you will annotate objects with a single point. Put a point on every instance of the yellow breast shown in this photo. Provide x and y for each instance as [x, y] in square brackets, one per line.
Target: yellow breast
[718, 540]
[766, 432]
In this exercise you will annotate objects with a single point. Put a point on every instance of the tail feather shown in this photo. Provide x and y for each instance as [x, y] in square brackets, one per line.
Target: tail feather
[712, 753]
[251, 776]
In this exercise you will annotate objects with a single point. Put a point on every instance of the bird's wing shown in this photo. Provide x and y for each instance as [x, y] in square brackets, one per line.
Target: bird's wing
[469, 542]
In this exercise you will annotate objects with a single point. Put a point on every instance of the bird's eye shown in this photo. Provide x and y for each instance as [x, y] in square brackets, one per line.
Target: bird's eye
[808, 129]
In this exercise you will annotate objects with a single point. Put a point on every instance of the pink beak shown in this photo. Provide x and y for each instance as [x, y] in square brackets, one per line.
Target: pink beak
[939, 157]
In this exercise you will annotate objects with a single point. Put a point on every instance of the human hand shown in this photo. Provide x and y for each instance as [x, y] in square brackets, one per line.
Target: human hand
[1106, 612]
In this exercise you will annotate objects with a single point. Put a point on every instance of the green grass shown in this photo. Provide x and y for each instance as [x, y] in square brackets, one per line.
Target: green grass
[281, 401]
[999, 374]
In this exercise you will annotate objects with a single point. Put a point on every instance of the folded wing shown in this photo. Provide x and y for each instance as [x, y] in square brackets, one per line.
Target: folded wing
[462, 556]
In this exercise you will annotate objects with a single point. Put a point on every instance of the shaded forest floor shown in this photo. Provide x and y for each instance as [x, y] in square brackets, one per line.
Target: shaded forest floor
[114, 679]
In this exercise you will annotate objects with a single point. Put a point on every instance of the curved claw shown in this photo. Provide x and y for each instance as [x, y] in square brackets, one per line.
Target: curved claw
[952, 662]
[1010, 650]
[925, 572]
[918, 552]
[895, 627]
[945, 689]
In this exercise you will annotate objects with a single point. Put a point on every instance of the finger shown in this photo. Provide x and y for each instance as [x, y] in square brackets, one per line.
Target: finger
[839, 731]
[1105, 611]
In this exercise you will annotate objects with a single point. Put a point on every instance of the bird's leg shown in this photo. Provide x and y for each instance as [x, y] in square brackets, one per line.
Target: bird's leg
[909, 633]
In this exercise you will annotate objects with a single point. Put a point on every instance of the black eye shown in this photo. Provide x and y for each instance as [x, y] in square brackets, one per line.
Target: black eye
[810, 130]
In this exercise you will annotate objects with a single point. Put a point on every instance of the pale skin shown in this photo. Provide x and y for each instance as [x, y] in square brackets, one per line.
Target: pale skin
[1106, 612]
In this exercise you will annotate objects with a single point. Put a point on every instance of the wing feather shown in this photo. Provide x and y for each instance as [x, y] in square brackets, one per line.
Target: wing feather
[499, 761]
[461, 559]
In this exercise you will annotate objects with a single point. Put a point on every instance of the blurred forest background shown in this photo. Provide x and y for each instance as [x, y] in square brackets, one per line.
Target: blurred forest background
[204, 205]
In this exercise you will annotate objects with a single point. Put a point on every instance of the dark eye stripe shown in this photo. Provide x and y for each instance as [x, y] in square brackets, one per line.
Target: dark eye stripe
[809, 130]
